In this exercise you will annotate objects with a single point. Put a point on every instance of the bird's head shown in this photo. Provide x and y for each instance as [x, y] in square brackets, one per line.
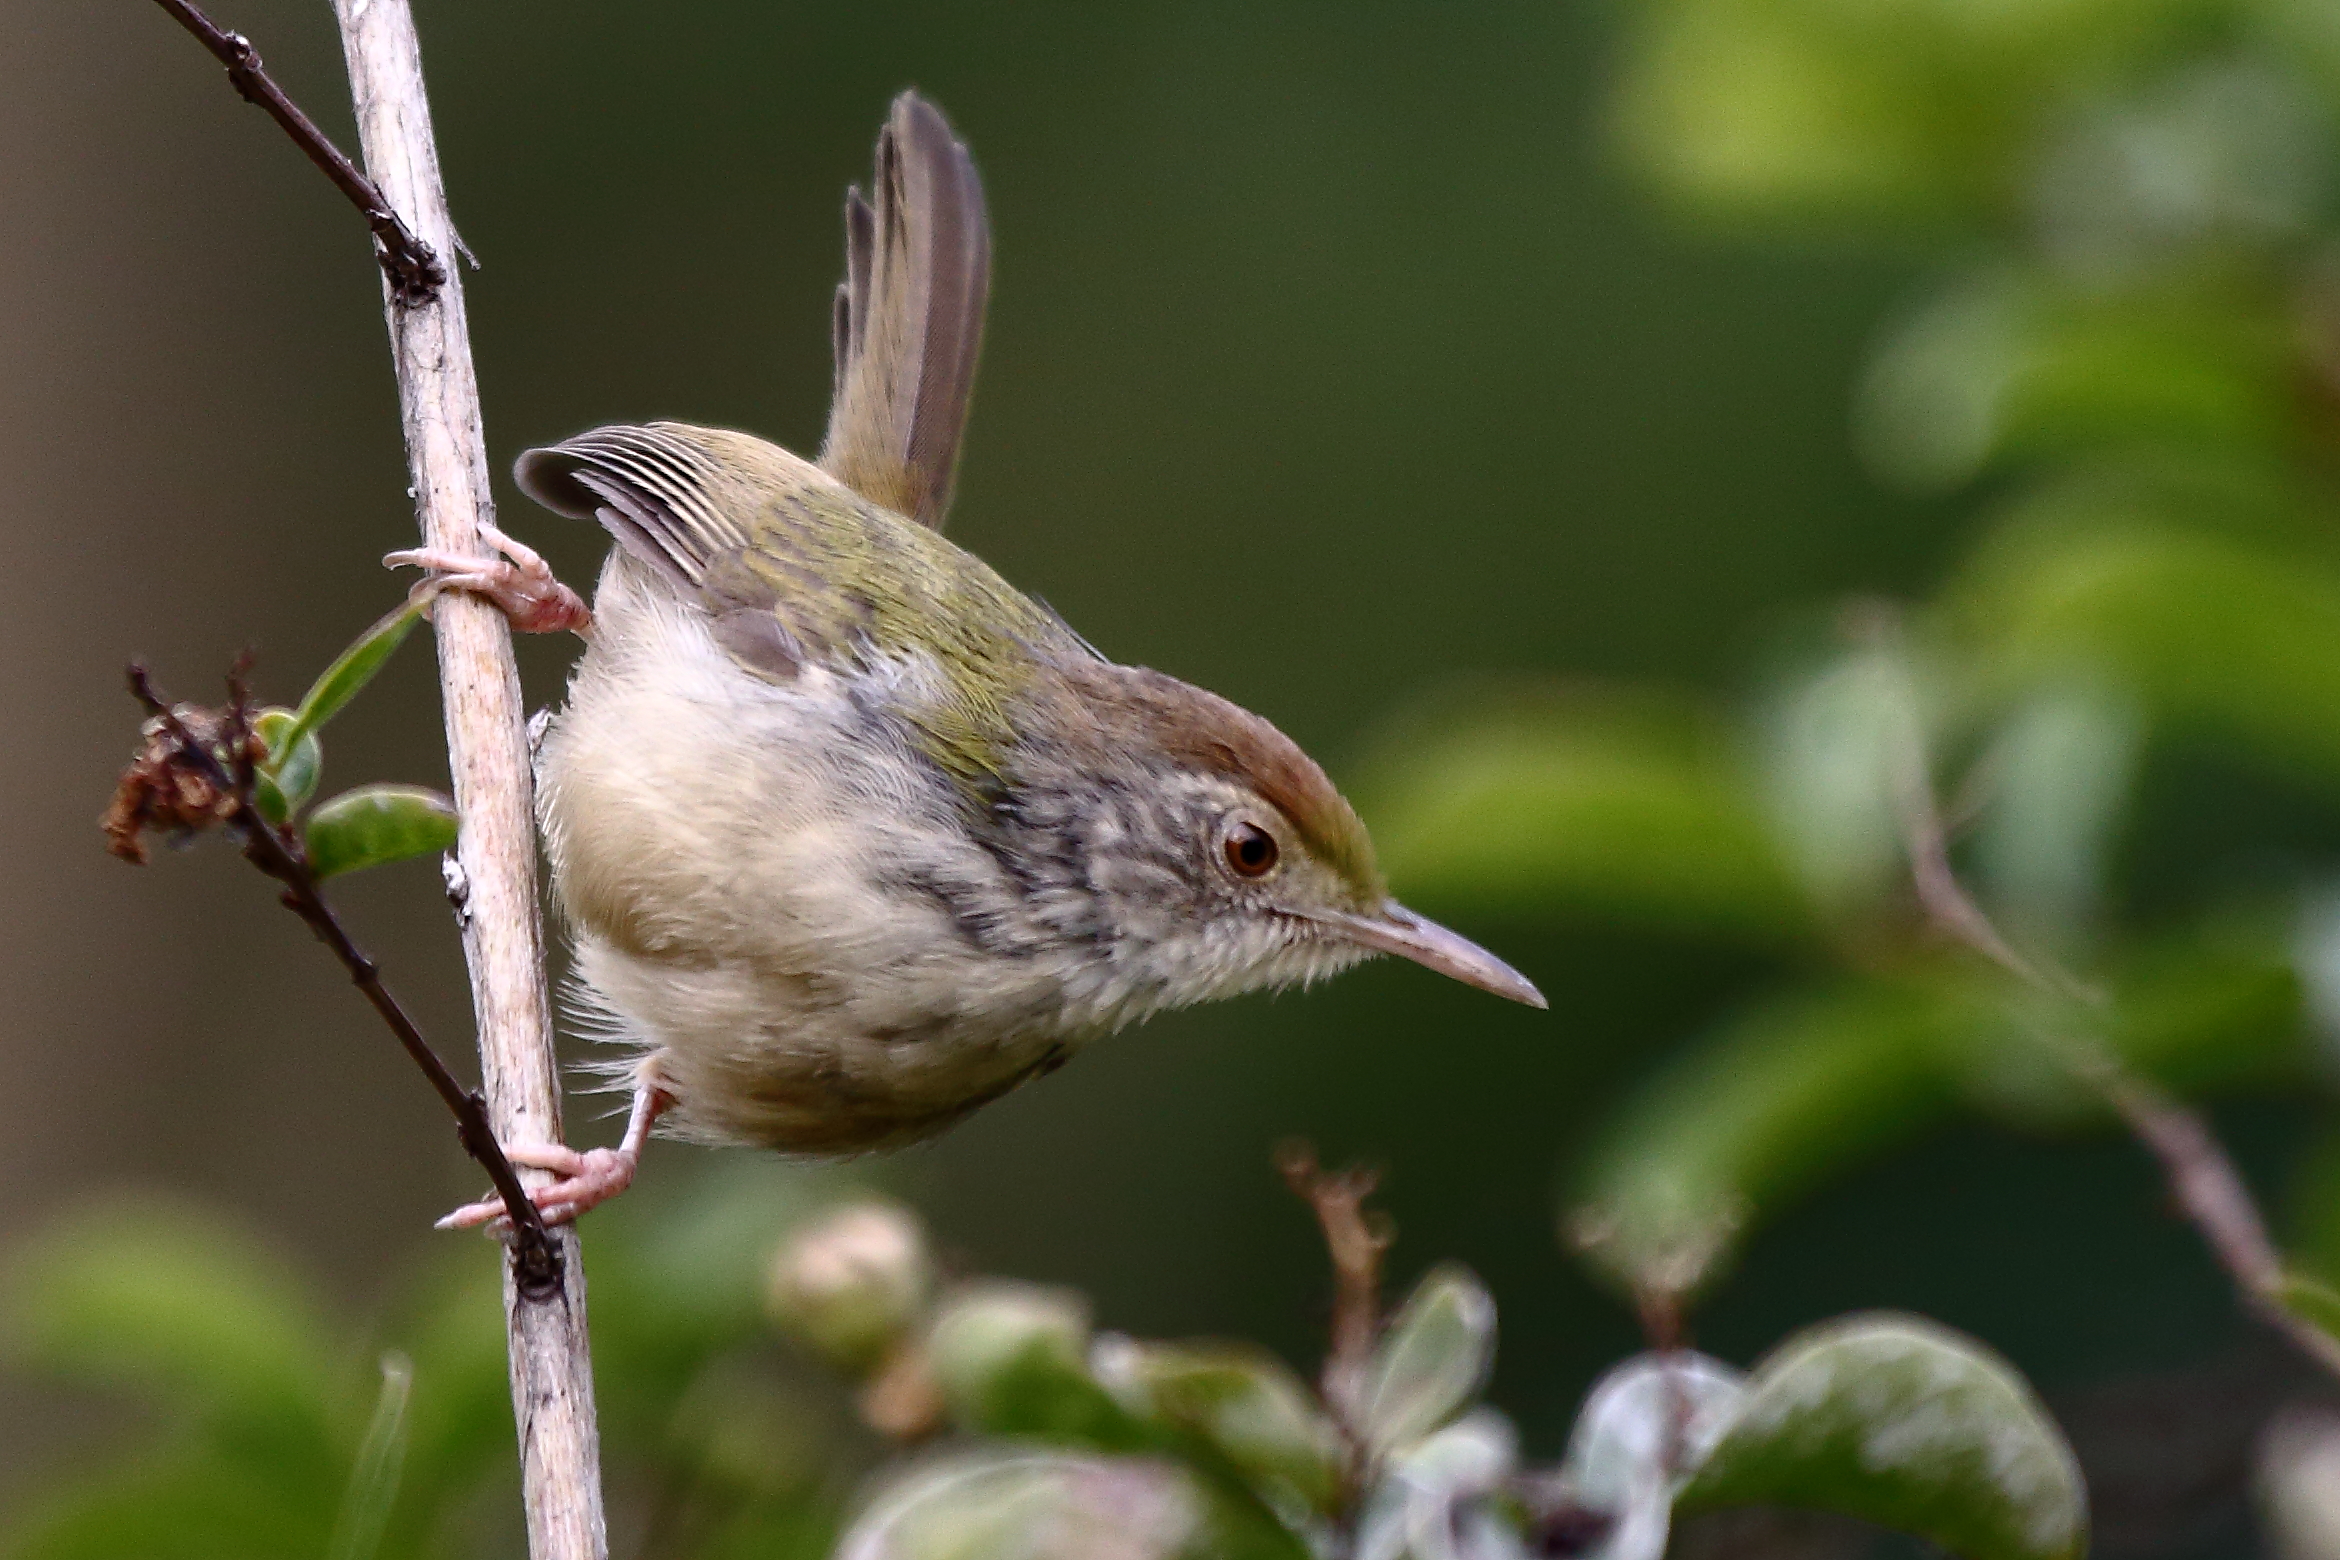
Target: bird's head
[1223, 860]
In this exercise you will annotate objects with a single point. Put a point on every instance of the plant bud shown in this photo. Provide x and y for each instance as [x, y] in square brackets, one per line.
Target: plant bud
[852, 1282]
[1010, 1357]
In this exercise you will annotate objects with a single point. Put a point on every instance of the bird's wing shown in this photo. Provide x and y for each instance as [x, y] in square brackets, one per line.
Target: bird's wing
[909, 317]
[789, 563]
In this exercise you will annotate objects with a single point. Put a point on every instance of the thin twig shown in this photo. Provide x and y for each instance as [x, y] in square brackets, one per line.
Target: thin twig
[412, 266]
[536, 1265]
[1356, 1241]
[487, 757]
[2202, 1177]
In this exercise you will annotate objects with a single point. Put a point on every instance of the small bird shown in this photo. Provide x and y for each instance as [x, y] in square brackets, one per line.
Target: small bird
[851, 836]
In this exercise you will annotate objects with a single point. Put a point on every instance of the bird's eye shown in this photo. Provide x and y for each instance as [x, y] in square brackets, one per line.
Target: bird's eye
[1251, 850]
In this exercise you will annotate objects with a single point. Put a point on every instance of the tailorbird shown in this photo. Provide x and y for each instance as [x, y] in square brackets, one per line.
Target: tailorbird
[852, 836]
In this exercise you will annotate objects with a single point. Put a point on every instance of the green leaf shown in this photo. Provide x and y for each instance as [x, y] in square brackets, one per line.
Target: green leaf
[1037, 1505]
[194, 1506]
[2015, 364]
[1901, 110]
[1243, 1401]
[374, 825]
[1011, 1359]
[353, 669]
[1430, 1362]
[2212, 634]
[173, 1301]
[1836, 743]
[2219, 163]
[1618, 805]
[1770, 1105]
[288, 776]
[2061, 769]
[1904, 1423]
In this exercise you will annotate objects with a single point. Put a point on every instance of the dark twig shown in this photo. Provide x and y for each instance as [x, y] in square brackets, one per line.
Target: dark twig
[536, 1265]
[2202, 1178]
[414, 268]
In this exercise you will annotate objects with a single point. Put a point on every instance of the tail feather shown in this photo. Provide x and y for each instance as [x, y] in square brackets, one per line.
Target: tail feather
[909, 317]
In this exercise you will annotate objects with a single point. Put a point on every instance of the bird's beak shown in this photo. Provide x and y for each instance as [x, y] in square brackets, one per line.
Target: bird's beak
[1395, 929]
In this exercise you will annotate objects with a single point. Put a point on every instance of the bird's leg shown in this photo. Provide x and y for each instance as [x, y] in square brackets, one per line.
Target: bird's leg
[517, 581]
[587, 1179]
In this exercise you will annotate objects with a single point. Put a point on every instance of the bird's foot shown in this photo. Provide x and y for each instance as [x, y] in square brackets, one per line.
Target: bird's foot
[587, 1179]
[518, 582]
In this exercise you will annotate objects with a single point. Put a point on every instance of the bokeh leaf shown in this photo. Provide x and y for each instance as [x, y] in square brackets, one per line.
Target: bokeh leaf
[1029, 1504]
[176, 1302]
[1431, 1361]
[185, 1508]
[1446, 1496]
[2015, 364]
[1617, 806]
[1773, 1102]
[2210, 633]
[1244, 1402]
[1836, 743]
[374, 825]
[1904, 1423]
[1012, 1359]
[1644, 1429]
[2061, 770]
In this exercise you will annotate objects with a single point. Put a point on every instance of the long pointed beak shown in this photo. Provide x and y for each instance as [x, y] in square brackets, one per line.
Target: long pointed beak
[1395, 929]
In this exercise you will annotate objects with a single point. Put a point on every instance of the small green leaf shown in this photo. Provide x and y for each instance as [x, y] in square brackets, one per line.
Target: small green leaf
[1011, 1359]
[288, 776]
[374, 825]
[353, 669]
[1430, 1363]
[1242, 1400]
[1035, 1505]
[1904, 1423]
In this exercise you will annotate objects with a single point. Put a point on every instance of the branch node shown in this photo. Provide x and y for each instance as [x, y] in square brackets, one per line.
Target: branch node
[412, 266]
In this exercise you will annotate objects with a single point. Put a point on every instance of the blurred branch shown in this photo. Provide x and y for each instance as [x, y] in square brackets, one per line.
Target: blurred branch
[186, 781]
[1356, 1242]
[492, 878]
[2202, 1178]
[413, 268]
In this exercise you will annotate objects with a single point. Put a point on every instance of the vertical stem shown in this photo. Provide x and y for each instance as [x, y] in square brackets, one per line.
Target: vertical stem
[494, 877]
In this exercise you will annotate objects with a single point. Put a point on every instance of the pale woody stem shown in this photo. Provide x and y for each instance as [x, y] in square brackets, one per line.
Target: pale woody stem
[552, 1381]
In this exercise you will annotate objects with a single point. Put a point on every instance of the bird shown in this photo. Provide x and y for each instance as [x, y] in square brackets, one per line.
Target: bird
[849, 835]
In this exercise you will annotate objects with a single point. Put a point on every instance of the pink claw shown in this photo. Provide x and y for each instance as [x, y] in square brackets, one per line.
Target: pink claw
[519, 583]
[587, 1180]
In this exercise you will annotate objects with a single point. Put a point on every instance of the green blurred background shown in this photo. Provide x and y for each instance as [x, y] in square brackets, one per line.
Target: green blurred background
[1340, 356]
